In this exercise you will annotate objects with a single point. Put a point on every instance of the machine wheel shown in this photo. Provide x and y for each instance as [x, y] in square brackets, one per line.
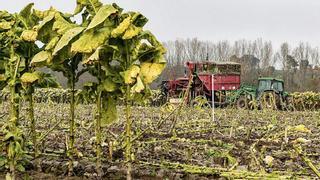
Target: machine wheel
[270, 100]
[242, 103]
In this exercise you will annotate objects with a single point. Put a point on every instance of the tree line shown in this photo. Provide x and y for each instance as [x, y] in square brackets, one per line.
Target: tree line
[297, 65]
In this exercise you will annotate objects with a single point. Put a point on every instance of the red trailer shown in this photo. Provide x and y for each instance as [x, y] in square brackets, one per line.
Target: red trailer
[204, 79]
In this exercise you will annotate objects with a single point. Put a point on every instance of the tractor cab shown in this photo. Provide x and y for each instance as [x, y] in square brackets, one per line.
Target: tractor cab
[270, 84]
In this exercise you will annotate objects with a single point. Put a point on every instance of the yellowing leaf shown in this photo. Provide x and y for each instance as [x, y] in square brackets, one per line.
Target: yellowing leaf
[41, 58]
[66, 38]
[150, 71]
[138, 87]
[90, 40]
[29, 35]
[131, 74]
[103, 13]
[131, 32]
[6, 25]
[123, 26]
[29, 77]
[52, 43]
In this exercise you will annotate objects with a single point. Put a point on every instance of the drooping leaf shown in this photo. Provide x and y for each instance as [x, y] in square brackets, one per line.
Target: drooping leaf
[61, 25]
[123, 26]
[93, 57]
[109, 114]
[138, 87]
[150, 71]
[66, 38]
[90, 40]
[29, 35]
[41, 58]
[45, 32]
[103, 13]
[131, 74]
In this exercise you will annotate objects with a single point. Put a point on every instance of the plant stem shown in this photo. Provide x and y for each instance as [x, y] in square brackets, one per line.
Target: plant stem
[128, 134]
[72, 128]
[98, 128]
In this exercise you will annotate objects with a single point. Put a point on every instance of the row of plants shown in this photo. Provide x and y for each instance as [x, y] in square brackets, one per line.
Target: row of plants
[168, 144]
[109, 43]
[306, 100]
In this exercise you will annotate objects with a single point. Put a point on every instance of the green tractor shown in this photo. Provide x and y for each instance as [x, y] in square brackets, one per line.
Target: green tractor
[270, 94]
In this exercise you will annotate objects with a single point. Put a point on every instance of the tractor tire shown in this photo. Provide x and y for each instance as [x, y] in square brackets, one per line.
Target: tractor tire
[270, 100]
[242, 102]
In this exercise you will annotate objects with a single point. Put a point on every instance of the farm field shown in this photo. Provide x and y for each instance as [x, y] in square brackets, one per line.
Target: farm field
[174, 143]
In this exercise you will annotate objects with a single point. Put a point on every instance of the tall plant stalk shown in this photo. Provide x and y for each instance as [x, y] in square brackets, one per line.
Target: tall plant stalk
[98, 128]
[128, 134]
[72, 127]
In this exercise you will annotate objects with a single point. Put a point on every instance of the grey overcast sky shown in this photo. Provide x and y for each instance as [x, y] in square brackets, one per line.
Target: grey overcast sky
[276, 20]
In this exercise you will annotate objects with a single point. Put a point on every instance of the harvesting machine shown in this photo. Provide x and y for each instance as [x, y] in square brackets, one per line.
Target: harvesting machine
[219, 84]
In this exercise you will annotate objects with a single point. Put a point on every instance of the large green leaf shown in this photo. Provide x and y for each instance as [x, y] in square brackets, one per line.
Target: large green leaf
[26, 17]
[66, 38]
[109, 113]
[90, 40]
[103, 13]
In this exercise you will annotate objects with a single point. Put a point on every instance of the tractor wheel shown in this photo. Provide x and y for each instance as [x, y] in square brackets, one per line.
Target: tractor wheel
[242, 103]
[270, 100]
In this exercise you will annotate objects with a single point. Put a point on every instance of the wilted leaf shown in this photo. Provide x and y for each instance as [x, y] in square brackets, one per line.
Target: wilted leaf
[2, 77]
[92, 6]
[123, 26]
[130, 75]
[66, 38]
[103, 13]
[29, 35]
[150, 71]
